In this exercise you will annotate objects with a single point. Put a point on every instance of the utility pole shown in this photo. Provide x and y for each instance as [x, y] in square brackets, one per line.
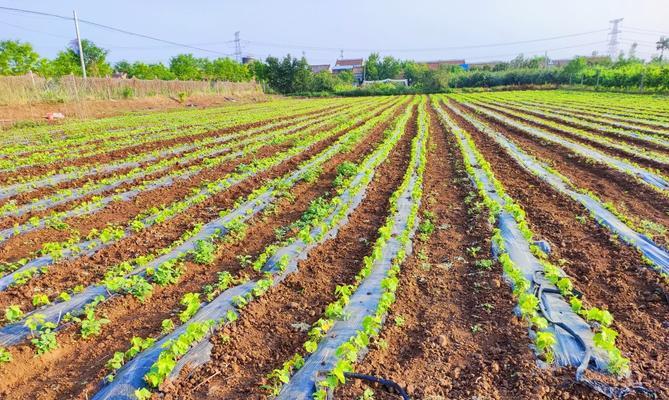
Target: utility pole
[81, 49]
[341, 54]
[238, 48]
[613, 41]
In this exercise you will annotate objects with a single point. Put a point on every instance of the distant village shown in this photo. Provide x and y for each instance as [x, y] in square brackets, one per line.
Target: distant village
[356, 66]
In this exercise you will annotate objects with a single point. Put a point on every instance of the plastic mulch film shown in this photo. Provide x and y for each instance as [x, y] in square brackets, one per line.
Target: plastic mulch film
[135, 161]
[362, 303]
[89, 247]
[573, 334]
[14, 333]
[650, 178]
[131, 376]
[652, 251]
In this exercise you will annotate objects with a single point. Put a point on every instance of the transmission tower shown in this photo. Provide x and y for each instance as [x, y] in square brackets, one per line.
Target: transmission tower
[238, 48]
[613, 41]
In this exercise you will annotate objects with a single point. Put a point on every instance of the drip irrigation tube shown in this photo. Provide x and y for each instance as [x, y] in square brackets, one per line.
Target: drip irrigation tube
[575, 340]
[385, 382]
[652, 251]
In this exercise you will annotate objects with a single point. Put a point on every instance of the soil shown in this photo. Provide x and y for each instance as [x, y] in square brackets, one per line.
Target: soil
[116, 154]
[105, 108]
[92, 268]
[629, 155]
[629, 196]
[556, 119]
[269, 322]
[610, 274]
[460, 337]
[137, 319]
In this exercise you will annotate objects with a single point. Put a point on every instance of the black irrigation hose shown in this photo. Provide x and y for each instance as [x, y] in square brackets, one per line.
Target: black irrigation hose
[384, 382]
[596, 385]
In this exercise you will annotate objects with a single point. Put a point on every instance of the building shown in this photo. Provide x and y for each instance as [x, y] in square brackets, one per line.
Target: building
[435, 65]
[320, 68]
[354, 65]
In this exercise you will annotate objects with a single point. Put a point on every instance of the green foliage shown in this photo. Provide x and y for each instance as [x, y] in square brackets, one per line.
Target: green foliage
[67, 61]
[13, 313]
[5, 356]
[204, 253]
[191, 303]
[17, 58]
[40, 299]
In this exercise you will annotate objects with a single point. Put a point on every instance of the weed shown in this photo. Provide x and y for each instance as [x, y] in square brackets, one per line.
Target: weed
[473, 250]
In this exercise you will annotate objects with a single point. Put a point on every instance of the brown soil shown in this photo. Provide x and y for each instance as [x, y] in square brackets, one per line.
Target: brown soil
[105, 108]
[268, 322]
[630, 197]
[460, 338]
[629, 155]
[92, 268]
[132, 318]
[555, 118]
[45, 191]
[200, 177]
[648, 128]
[23, 245]
[143, 148]
[610, 274]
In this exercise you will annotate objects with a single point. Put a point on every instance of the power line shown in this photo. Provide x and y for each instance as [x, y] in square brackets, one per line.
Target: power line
[500, 44]
[111, 28]
[647, 30]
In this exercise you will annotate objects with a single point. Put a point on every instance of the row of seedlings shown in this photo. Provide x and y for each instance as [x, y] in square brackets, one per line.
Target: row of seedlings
[188, 344]
[565, 331]
[165, 268]
[23, 270]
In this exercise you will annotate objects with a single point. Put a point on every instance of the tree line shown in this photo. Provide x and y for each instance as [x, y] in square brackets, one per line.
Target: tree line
[290, 75]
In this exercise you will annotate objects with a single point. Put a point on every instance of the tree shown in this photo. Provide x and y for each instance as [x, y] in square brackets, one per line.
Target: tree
[390, 68]
[575, 66]
[662, 45]
[17, 58]
[140, 70]
[67, 61]
[289, 75]
[186, 67]
[225, 69]
[372, 67]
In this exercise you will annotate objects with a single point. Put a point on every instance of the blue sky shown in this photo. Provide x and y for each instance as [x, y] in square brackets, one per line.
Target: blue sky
[417, 29]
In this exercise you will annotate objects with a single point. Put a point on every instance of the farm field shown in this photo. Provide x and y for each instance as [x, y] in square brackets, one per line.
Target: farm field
[489, 245]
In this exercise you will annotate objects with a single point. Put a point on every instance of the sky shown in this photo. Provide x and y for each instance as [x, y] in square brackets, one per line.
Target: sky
[422, 30]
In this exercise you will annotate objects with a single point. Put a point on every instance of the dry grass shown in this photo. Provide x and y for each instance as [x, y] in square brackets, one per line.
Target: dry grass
[28, 89]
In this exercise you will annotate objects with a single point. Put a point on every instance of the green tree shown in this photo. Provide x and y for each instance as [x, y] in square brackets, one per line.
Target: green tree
[389, 68]
[372, 67]
[17, 58]
[186, 67]
[140, 70]
[67, 61]
[225, 69]
[289, 75]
